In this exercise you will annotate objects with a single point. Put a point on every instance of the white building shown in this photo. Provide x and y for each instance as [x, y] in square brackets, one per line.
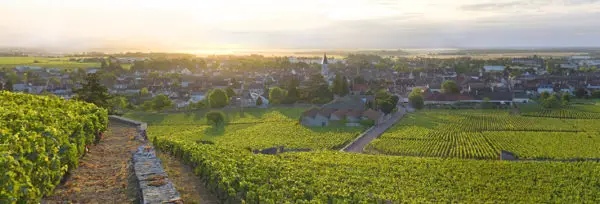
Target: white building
[490, 68]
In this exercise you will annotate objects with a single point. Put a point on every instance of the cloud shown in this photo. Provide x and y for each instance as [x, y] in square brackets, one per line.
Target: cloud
[490, 6]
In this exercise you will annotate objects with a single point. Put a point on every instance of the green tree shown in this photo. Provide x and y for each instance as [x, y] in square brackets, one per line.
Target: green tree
[218, 98]
[580, 93]
[93, 92]
[144, 91]
[276, 95]
[596, 94]
[415, 98]
[449, 86]
[117, 105]
[215, 118]
[292, 92]
[230, 92]
[345, 87]
[544, 95]
[337, 85]
[259, 101]
[8, 85]
[161, 102]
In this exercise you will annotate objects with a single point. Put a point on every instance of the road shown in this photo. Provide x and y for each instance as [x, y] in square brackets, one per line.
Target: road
[359, 145]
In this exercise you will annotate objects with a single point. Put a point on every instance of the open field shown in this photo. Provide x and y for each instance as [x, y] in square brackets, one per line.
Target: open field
[45, 62]
[255, 129]
[483, 134]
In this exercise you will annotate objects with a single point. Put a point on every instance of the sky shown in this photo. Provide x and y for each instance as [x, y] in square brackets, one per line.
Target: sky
[188, 25]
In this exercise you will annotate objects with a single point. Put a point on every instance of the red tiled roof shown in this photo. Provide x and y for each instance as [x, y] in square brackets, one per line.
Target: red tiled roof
[354, 113]
[340, 113]
[311, 112]
[447, 97]
[360, 87]
[326, 112]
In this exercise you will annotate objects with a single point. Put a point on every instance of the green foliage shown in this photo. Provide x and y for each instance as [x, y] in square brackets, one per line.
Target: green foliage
[144, 91]
[93, 92]
[276, 95]
[218, 98]
[161, 102]
[259, 101]
[215, 118]
[367, 123]
[449, 86]
[340, 86]
[482, 134]
[596, 94]
[415, 98]
[292, 92]
[385, 102]
[544, 95]
[580, 92]
[117, 105]
[41, 138]
[230, 92]
[8, 86]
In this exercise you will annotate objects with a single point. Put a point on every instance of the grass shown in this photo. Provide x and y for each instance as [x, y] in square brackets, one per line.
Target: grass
[256, 129]
[45, 62]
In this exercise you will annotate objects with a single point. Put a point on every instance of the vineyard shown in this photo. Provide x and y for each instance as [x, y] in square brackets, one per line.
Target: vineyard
[235, 175]
[334, 177]
[570, 112]
[483, 134]
[257, 129]
[42, 138]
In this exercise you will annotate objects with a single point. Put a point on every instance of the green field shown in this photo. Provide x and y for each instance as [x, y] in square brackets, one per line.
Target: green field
[234, 174]
[483, 134]
[255, 129]
[44, 62]
[591, 110]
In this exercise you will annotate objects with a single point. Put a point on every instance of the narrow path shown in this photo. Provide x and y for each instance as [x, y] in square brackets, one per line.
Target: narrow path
[359, 145]
[190, 187]
[104, 173]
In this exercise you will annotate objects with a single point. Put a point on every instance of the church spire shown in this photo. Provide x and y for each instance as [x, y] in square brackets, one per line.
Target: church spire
[324, 58]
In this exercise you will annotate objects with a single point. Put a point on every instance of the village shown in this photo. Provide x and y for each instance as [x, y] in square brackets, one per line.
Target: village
[501, 82]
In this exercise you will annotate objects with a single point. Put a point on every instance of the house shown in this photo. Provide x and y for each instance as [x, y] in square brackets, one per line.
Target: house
[20, 87]
[359, 89]
[373, 115]
[179, 103]
[545, 88]
[495, 68]
[520, 97]
[309, 118]
[92, 70]
[564, 88]
[195, 97]
[436, 87]
[353, 116]
[339, 114]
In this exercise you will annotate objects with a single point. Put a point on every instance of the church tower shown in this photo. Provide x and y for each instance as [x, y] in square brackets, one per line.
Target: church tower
[324, 70]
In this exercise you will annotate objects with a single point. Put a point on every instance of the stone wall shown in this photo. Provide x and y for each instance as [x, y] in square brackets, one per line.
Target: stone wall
[153, 181]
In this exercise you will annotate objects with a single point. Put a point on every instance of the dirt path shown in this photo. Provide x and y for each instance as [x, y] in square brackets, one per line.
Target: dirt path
[103, 175]
[359, 145]
[190, 187]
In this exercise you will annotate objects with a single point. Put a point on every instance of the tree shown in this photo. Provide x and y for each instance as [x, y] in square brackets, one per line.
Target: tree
[415, 98]
[161, 102]
[215, 118]
[544, 95]
[218, 99]
[345, 87]
[551, 102]
[337, 85]
[230, 92]
[93, 92]
[144, 91]
[259, 101]
[276, 95]
[8, 86]
[449, 86]
[117, 105]
[292, 92]
[566, 97]
[596, 94]
[580, 92]
[385, 101]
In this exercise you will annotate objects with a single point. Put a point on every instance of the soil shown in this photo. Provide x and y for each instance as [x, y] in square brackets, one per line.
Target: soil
[190, 187]
[105, 173]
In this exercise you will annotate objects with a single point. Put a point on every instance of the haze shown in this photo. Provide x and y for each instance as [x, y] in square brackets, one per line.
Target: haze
[177, 25]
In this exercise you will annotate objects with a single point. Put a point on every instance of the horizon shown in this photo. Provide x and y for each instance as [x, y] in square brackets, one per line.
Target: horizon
[75, 26]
